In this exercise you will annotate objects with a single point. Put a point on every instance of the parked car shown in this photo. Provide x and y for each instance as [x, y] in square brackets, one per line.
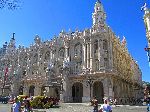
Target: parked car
[4, 99]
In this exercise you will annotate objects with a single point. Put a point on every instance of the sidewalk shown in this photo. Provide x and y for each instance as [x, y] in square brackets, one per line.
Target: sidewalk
[84, 107]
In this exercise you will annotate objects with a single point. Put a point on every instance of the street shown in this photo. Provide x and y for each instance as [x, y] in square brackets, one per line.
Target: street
[5, 107]
[83, 107]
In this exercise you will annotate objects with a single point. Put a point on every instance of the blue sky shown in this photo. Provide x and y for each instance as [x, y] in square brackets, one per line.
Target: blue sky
[48, 17]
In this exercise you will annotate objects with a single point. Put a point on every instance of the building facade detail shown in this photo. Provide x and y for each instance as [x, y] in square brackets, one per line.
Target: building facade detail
[146, 19]
[74, 66]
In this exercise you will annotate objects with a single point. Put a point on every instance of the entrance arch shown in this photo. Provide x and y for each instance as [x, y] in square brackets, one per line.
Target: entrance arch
[51, 91]
[98, 91]
[31, 90]
[77, 92]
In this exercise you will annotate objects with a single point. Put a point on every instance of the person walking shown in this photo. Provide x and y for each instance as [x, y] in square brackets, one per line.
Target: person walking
[105, 107]
[115, 102]
[148, 104]
[16, 107]
[95, 104]
[27, 106]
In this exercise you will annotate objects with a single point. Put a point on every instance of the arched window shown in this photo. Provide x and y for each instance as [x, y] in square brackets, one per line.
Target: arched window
[78, 49]
[78, 67]
[25, 61]
[62, 52]
[106, 63]
[105, 45]
[35, 59]
[96, 46]
[96, 64]
[47, 55]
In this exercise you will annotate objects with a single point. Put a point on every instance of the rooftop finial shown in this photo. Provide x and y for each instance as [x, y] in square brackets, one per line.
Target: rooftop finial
[99, 1]
[13, 38]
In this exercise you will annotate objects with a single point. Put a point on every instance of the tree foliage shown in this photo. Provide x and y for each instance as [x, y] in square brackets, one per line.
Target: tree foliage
[10, 4]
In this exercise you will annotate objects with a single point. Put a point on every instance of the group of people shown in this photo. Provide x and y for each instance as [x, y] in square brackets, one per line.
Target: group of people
[23, 103]
[16, 107]
[103, 108]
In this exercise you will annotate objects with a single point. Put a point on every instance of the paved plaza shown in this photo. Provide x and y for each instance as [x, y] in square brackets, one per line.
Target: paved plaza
[84, 107]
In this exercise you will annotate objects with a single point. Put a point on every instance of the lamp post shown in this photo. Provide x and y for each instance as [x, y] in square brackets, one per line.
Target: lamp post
[90, 83]
[61, 84]
[147, 49]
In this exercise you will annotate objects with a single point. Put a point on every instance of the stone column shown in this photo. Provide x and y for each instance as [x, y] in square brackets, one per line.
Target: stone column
[105, 86]
[26, 90]
[110, 55]
[110, 92]
[72, 55]
[99, 52]
[37, 90]
[65, 89]
[86, 92]
[68, 94]
[101, 57]
[91, 56]
[66, 52]
[121, 90]
[88, 55]
[84, 56]
[86, 60]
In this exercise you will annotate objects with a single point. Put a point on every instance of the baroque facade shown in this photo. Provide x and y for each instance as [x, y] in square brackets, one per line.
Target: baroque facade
[74, 66]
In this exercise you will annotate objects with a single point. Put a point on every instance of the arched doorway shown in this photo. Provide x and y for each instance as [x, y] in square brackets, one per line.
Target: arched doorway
[21, 90]
[31, 90]
[57, 93]
[98, 91]
[51, 91]
[77, 92]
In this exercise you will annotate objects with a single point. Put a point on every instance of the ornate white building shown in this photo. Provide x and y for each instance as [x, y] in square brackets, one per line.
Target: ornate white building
[146, 19]
[74, 66]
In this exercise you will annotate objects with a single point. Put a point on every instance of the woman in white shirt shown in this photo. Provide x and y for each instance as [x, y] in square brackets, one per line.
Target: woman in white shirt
[105, 107]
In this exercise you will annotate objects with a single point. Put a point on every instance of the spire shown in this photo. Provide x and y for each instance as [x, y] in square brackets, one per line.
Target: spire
[99, 1]
[12, 41]
[124, 42]
[145, 9]
[99, 15]
[13, 37]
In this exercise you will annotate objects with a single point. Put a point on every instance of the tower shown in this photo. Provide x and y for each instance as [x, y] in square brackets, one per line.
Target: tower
[99, 15]
[11, 46]
[146, 18]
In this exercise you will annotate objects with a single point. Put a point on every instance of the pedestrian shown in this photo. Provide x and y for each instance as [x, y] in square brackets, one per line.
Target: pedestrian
[16, 107]
[148, 107]
[95, 104]
[105, 107]
[148, 104]
[115, 102]
[27, 106]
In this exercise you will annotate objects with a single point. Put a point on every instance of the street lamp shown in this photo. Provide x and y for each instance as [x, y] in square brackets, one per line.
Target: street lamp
[147, 49]
[90, 83]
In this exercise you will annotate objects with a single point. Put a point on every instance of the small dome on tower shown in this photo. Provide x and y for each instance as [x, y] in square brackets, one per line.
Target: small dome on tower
[99, 15]
[37, 39]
